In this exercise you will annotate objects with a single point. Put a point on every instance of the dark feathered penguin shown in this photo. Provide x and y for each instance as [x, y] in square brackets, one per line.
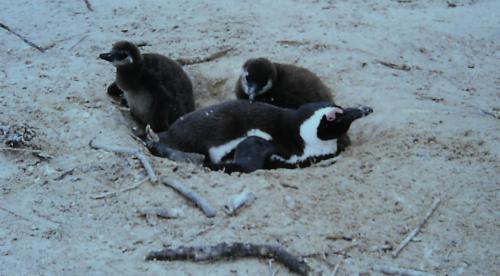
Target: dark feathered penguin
[290, 136]
[283, 85]
[156, 88]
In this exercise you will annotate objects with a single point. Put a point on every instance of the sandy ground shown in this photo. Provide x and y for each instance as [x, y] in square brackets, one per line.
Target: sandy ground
[434, 133]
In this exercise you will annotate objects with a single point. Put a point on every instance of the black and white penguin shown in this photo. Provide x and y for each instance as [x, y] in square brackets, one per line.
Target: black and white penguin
[287, 136]
[283, 85]
[156, 88]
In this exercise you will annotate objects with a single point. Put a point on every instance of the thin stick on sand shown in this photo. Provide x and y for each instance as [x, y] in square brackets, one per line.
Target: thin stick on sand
[415, 231]
[131, 151]
[391, 270]
[27, 41]
[89, 6]
[402, 67]
[199, 201]
[233, 250]
[214, 56]
[114, 193]
[21, 150]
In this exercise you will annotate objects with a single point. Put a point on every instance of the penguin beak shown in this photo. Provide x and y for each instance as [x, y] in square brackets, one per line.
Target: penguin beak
[351, 114]
[106, 56]
[252, 92]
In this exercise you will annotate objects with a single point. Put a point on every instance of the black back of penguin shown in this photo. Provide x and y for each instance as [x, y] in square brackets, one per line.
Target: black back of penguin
[282, 85]
[217, 125]
[156, 88]
[295, 134]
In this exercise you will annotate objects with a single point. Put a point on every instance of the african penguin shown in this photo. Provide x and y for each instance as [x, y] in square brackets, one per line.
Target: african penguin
[156, 88]
[287, 136]
[283, 85]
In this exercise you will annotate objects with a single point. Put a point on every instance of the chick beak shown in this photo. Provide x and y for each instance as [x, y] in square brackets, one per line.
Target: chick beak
[252, 92]
[106, 56]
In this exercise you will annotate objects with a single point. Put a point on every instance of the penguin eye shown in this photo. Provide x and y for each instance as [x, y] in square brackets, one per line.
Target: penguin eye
[121, 56]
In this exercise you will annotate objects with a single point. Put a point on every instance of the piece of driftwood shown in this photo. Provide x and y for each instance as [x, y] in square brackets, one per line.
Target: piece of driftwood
[232, 250]
[152, 214]
[27, 41]
[391, 270]
[237, 202]
[64, 174]
[132, 151]
[199, 201]
[160, 212]
[114, 193]
[214, 56]
[286, 185]
[402, 67]
[89, 6]
[415, 231]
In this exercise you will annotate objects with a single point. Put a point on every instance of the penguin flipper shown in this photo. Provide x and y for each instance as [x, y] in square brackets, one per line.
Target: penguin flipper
[115, 93]
[161, 150]
[250, 155]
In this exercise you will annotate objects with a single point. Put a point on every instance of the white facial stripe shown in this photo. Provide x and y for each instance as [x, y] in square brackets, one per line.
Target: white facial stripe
[266, 87]
[244, 83]
[243, 80]
[313, 145]
[218, 152]
[124, 61]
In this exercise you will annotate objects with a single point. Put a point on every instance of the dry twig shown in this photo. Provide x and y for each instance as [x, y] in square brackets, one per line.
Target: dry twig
[160, 212]
[27, 41]
[402, 67]
[114, 193]
[415, 231]
[136, 152]
[89, 6]
[21, 149]
[391, 270]
[199, 201]
[233, 250]
[214, 56]
[232, 206]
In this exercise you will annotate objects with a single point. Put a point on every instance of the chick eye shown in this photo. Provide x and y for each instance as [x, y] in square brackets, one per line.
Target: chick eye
[120, 56]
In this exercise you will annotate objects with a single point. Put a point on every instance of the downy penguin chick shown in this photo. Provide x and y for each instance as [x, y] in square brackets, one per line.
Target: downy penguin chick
[283, 85]
[289, 136]
[156, 88]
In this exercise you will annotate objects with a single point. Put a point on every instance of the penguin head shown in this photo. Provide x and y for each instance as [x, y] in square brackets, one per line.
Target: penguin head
[336, 121]
[123, 53]
[326, 121]
[257, 77]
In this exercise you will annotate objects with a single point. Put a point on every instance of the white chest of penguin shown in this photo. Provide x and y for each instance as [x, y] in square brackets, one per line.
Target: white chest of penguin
[313, 146]
[217, 153]
[140, 103]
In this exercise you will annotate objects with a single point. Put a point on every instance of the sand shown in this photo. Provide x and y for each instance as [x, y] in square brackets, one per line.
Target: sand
[434, 134]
